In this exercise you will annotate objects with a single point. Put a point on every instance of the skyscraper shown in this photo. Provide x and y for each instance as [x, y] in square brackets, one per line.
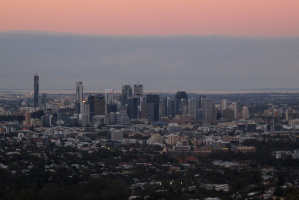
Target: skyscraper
[169, 107]
[223, 105]
[138, 90]
[79, 97]
[208, 109]
[181, 101]
[109, 93]
[27, 119]
[153, 102]
[234, 107]
[245, 112]
[193, 106]
[289, 113]
[96, 105]
[133, 108]
[36, 90]
[126, 93]
[42, 100]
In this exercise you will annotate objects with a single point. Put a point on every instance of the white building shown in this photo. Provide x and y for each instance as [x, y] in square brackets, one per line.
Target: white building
[245, 112]
[223, 105]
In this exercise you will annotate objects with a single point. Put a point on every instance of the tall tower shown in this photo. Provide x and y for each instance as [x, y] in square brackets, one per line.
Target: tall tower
[169, 107]
[96, 105]
[181, 101]
[234, 107]
[208, 109]
[36, 90]
[126, 93]
[245, 112]
[27, 119]
[138, 90]
[223, 105]
[193, 105]
[109, 93]
[79, 97]
[153, 103]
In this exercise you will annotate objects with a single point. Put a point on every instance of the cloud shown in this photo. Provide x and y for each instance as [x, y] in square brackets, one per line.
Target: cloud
[191, 63]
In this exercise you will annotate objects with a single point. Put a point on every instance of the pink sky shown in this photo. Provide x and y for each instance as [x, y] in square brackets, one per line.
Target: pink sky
[153, 17]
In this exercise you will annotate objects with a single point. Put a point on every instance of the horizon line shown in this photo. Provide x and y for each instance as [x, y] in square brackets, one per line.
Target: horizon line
[144, 35]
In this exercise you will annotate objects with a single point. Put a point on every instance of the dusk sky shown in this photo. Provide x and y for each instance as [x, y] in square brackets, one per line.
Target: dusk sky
[153, 17]
[169, 45]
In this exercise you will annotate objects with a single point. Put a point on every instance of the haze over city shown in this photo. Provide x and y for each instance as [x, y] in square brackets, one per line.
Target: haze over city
[167, 45]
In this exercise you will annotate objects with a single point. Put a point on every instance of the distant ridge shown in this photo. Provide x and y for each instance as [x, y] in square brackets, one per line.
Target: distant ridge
[274, 89]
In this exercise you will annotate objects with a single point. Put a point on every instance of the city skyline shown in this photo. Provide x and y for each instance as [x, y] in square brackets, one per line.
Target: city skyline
[149, 99]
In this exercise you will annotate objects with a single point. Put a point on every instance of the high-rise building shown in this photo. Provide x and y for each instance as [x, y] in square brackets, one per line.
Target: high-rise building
[109, 93]
[42, 100]
[111, 107]
[138, 90]
[126, 93]
[153, 102]
[143, 110]
[96, 105]
[208, 109]
[181, 101]
[133, 111]
[169, 107]
[65, 114]
[79, 98]
[193, 106]
[289, 114]
[223, 105]
[36, 90]
[234, 107]
[245, 112]
[228, 115]
[85, 117]
[27, 119]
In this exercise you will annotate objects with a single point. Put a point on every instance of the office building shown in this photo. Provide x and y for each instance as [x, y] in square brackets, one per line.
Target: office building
[289, 114]
[223, 105]
[42, 100]
[208, 109]
[193, 106]
[111, 107]
[109, 94]
[153, 102]
[138, 90]
[132, 108]
[245, 112]
[36, 90]
[79, 98]
[234, 107]
[181, 101]
[27, 119]
[228, 115]
[169, 107]
[126, 93]
[96, 105]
